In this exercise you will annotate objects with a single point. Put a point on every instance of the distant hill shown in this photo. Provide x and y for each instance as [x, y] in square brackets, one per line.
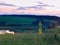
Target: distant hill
[27, 22]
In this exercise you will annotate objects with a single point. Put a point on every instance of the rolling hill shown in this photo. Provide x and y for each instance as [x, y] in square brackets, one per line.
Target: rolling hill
[27, 22]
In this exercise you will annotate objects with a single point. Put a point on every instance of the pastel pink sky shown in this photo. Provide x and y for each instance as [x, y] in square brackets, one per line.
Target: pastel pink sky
[45, 9]
[5, 9]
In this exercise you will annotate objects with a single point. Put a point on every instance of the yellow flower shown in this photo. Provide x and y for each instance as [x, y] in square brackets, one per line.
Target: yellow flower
[40, 32]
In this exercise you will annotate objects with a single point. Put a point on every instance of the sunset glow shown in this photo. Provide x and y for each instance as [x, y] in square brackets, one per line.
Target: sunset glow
[30, 7]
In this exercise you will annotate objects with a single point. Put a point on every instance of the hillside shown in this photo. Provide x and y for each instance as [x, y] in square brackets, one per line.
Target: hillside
[28, 22]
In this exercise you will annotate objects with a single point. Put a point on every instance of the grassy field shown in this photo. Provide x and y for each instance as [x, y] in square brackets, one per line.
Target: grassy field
[30, 39]
[18, 39]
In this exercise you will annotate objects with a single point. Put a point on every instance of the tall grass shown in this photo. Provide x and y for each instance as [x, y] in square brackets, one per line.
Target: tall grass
[18, 39]
[47, 38]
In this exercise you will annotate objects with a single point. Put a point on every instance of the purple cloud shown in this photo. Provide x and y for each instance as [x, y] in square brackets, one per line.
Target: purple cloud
[24, 8]
[40, 5]
[43, 4]
[21, 8]
[6, 4]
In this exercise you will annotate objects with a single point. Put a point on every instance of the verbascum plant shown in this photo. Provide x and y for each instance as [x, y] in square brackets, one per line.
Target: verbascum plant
[40, 29]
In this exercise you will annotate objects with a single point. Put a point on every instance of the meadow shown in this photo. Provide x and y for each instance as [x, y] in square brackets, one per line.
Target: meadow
[30, 39]
[18, 39]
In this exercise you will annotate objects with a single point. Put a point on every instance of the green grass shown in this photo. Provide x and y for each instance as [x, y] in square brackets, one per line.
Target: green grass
[18, 39]
[30, 39]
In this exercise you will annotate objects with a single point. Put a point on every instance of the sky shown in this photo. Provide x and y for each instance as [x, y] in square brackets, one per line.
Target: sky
[37, 7]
